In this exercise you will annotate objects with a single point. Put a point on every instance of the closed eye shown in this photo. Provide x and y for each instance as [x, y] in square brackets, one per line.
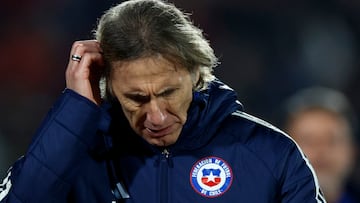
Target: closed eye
[167, 92]
[138, 98]
[142, 99]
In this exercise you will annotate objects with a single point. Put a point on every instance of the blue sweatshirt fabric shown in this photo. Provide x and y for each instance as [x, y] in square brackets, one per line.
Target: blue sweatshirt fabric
[81, 151]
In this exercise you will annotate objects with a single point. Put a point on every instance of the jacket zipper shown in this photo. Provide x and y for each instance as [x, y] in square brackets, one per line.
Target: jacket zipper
[165, 163]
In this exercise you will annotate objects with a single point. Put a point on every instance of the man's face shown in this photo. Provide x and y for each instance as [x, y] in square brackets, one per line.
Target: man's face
[325, 139]
[155, 95]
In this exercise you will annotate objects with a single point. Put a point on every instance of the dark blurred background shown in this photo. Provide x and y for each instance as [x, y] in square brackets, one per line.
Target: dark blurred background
[268, 49]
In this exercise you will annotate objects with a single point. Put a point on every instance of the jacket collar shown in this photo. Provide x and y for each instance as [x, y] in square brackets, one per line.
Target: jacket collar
[207, 111]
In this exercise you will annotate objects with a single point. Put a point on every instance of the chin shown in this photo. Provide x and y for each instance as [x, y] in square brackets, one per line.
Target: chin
[161, 141]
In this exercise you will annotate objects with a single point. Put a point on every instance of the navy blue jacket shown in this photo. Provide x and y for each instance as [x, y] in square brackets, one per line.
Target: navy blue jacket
[82, 152]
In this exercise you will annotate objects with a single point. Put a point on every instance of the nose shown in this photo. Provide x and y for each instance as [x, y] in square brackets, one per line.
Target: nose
[155, 115]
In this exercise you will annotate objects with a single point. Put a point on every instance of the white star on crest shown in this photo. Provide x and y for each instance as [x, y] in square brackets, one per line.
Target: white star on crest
[211, 177]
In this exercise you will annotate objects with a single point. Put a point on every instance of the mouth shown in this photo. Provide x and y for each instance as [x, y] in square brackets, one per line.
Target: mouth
[159, 132]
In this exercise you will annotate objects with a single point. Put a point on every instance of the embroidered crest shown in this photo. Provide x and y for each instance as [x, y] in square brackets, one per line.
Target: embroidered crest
[211, 177]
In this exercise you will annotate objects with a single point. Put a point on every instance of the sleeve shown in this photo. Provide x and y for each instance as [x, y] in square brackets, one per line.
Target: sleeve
[299, 181]
[46, 171]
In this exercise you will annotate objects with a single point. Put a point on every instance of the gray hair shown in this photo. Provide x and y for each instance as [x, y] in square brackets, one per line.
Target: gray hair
[141, 28]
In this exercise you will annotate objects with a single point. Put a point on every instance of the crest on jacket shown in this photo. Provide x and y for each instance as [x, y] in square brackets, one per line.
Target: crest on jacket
[211, 177]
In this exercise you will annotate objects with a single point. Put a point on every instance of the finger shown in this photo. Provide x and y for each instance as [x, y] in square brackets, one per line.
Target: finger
[82, 50]
[83, 68]
[83, 73]
[84, 78]
[79, 47]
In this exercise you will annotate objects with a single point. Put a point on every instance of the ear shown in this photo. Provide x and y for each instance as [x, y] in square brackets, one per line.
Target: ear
[195, 76]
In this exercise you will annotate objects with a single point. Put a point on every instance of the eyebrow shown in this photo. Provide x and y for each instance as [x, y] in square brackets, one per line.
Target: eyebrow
[143, 97]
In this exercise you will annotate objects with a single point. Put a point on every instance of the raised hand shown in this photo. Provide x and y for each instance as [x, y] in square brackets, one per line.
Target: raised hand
[85, 68]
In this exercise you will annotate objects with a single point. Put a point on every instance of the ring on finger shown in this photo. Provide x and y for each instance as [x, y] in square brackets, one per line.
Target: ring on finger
[75, 57]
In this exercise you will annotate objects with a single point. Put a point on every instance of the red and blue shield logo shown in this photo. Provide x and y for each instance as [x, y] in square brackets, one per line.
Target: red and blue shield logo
[211, 177]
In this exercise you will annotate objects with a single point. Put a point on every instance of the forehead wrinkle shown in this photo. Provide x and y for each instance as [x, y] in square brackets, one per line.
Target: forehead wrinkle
[146, 76]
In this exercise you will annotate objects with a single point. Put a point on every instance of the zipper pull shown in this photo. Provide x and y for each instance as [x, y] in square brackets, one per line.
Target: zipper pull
[166, 154]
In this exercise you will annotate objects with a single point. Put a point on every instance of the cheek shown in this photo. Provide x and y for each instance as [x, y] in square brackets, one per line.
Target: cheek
[181, 113]
[181, 105]
[132, 113]
[342, 155]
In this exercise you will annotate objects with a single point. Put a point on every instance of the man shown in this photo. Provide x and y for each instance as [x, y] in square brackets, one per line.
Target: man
[321, 121]
[164, 129]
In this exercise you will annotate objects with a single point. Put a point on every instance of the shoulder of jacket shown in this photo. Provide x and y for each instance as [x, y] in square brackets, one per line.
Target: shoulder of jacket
[256, 120]
[260, 137]
[264, 139]
[244, 121]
